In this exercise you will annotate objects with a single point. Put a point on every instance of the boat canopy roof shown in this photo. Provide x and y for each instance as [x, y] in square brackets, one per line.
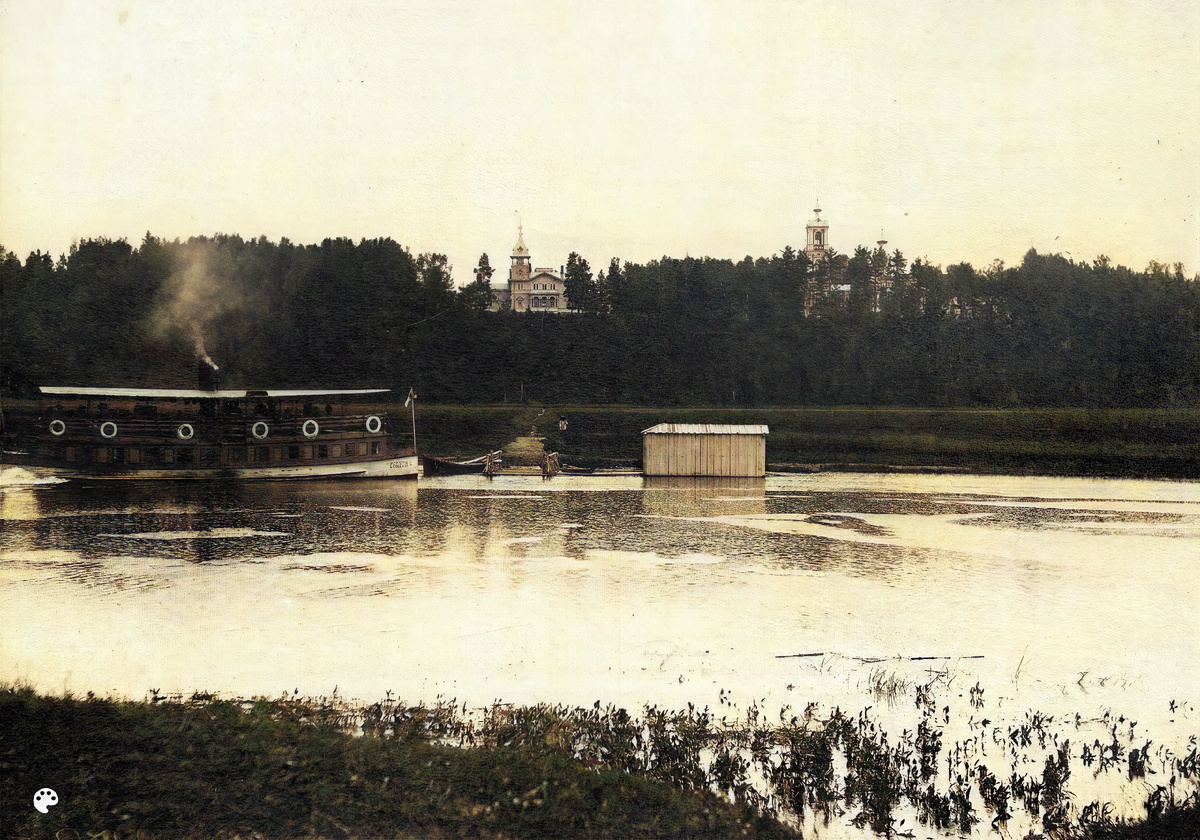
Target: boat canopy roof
[170, 393]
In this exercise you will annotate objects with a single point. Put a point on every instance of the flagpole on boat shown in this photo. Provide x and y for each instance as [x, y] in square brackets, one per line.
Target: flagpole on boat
[411, 401]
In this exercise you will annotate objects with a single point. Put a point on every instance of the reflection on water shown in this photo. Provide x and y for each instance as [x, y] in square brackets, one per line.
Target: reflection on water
[1070, 594]
[683, 496]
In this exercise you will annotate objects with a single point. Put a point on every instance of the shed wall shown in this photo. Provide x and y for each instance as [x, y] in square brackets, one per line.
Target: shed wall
[711, 454]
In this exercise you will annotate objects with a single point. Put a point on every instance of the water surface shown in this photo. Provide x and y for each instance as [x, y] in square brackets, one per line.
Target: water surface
[1063, 595]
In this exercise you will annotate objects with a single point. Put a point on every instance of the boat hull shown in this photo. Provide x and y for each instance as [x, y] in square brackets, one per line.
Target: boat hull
[186, 436]
[404, 466]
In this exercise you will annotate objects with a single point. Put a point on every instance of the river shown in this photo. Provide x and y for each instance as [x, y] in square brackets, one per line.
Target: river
[1057, 594]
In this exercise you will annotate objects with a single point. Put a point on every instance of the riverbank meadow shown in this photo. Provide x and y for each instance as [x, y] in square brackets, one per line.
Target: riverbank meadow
[1143, 443]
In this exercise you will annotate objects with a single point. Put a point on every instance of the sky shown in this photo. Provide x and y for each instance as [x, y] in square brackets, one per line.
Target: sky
[957, 131]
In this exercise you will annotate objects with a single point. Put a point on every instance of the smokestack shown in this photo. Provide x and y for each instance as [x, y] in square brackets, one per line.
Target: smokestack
[207, 370]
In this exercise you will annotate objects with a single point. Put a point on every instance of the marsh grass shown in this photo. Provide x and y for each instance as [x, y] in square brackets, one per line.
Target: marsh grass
[204, 767]
[290, 767]
[888, 687]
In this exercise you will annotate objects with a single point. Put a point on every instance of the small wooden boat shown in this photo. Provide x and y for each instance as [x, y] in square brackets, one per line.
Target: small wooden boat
[445, 466]
[567, 469]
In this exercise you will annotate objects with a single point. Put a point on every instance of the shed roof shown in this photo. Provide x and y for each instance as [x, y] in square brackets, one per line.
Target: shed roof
[704, 429]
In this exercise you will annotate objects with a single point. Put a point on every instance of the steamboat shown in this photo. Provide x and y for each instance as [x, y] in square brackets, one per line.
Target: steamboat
[207, 433]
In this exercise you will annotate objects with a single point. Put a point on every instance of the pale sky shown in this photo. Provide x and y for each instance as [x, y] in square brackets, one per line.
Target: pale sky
[629, 128]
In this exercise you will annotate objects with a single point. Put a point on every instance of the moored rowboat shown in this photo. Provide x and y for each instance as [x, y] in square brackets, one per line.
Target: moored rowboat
[445, 466]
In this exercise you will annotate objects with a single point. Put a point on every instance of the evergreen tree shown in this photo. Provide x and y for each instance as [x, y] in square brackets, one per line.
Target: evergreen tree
[578, 285]
[477, 295]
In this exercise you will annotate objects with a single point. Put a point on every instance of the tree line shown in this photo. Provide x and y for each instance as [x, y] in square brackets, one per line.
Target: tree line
[861, 328]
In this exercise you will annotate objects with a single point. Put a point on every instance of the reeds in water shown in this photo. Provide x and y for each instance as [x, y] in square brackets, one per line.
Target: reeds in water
[292, 767]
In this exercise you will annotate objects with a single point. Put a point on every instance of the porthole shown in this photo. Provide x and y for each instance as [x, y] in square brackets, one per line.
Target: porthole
[108, 429]
[185, 431]
[260, 430]
[374, 424]
[310, 428]
[58, 427]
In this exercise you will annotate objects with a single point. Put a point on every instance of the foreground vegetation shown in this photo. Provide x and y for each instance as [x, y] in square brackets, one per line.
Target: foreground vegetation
[289, 768]
[204, 767]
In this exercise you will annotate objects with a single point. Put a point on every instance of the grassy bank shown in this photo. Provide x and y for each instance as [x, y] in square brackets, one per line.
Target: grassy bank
[1132, 442]
[1157, 443]
[291, 768]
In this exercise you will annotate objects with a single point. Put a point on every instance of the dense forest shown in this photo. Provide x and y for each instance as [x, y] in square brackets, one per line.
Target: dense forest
[867, 328]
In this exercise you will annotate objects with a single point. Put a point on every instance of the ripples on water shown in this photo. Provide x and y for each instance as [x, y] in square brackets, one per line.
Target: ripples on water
[1074, 595]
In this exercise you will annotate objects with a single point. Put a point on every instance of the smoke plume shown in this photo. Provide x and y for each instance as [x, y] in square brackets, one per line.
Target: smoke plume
[202, 294]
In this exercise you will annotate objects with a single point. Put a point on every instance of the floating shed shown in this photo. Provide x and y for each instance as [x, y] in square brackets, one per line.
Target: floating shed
[702, 449]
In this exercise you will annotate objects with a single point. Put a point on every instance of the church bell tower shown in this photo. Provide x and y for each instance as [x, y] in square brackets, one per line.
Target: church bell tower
[518, 274]
[519, 271]
[817, 236]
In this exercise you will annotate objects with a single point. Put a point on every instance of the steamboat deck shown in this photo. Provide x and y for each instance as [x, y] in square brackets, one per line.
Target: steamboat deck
[150, 433]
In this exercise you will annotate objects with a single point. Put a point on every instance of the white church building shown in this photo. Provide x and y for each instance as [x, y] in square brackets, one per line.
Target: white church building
[530, 289]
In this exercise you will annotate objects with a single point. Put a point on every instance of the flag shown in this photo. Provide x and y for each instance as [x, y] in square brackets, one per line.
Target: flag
[410, 398]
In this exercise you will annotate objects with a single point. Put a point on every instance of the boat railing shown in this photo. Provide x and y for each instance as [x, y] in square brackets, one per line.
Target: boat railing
[198, 428]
